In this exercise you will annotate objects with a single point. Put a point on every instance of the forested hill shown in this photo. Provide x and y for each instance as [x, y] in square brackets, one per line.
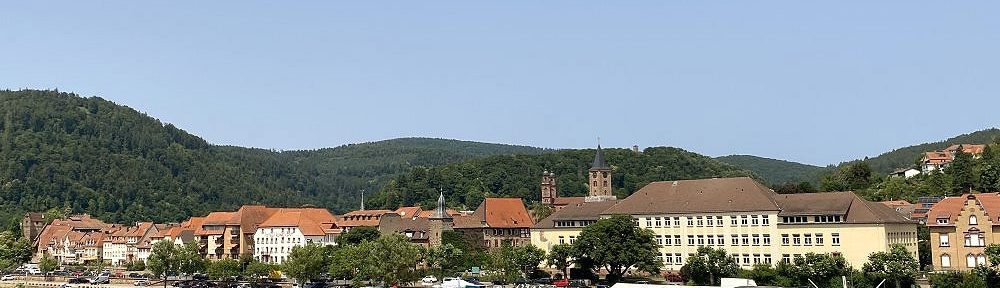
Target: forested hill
[908, 156]
[467, 183]
[97, 157]
[774, 171]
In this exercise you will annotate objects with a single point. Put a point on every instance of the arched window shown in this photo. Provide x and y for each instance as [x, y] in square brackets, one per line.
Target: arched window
[972, 220]
[981, 260]
[945, 260]
[970, 260]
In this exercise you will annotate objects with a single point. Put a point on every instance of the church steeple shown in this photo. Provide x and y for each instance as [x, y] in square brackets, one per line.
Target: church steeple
[440, 212]
[600, 179]
[440, 221]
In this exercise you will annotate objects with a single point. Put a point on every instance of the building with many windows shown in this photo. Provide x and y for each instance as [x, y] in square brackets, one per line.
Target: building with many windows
[748, 220]
[961, 228]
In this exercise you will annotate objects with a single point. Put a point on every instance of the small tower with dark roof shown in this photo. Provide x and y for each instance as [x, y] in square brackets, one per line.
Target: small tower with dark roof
[439, 221]
[600, 179]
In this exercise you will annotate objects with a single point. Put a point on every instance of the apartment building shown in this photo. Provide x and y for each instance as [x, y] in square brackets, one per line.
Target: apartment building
[961, 227]
[497, 222]
[287, 228]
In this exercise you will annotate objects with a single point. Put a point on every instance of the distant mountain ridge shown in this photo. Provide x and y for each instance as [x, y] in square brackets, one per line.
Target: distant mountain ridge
[908, 156]
[775, 171]
[116, 163]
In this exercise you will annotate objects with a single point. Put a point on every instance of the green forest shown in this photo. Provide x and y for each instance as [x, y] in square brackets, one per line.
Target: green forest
[774, 171]
[466, 183]
[90, 155]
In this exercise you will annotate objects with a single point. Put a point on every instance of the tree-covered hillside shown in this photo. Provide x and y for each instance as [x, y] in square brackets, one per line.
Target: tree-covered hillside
[774, 171]
[97, 157]
[467, 183]
[908, 156]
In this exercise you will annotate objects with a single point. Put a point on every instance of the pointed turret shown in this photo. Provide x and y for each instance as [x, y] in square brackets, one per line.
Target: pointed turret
[599, 163]
[440, 212]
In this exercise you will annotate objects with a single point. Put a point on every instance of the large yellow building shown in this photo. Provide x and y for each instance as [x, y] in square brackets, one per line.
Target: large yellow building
[748, 220]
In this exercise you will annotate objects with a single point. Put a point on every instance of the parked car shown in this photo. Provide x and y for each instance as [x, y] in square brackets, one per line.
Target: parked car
[315, 284]
[428, 280]
[8, 278]
[100, 279]
[543, 281]
[561, 283]
[78, 280]
[141, 283]
[460, 283]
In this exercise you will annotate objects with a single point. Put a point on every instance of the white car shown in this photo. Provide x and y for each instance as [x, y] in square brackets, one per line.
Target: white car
[428, 280]
[459, 283]
[8, 278]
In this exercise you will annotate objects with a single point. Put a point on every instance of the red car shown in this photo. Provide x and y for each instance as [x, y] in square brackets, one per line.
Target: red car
[561, 282]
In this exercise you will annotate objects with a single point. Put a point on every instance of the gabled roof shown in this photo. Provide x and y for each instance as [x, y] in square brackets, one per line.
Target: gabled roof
[310, 221]
[218, 218]
[409, 211]
[951, 208]
[967, 148]
[854, 209]
[497, 213]
[893, 203]
[740, 194]
[579, 211]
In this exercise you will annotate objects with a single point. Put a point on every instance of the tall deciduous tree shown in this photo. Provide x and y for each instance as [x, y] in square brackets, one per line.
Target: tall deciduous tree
[358, 235]
[225, 270]
[559, 257]
[46, 265]
[305, 262]
[617, 244]
[163, 260]
[709, 266]
[391, 259]
[444, 258]
[818, 268]
[13, 251]
[188, 259]
[896, 265]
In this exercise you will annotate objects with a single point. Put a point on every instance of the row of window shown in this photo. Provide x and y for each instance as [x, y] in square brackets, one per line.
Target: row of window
[809, 239]
[579, 223]
[562, 239]
[973, 239]
[277, 240]
[707, 221]
[525, 233]
[744, 259]
[716, 240]
[971, 260]
[815, 219]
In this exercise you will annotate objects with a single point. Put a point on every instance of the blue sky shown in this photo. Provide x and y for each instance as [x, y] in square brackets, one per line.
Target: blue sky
[814, 82]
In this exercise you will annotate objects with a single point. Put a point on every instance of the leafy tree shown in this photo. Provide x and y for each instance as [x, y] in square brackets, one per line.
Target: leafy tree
[55, 213]
[896, 265]
[617, 244]
[163, 260]
[226, 269]
[444, 258]
[256, 270]
[961, 171]
[924, 246]
[135, 266]
[820, 268]
[559, 257]
[539, 211]
[391, 259]
[305, 262]
[503, 264]
[989, 176]
[345, 262]
[13, 251]
[358, 235]
[709, 266]
[957, 280]
[188, 259]
[47, 264]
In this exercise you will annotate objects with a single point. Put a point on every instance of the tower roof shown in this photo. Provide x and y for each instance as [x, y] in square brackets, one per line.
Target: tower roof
[599, 160]
[440, 212]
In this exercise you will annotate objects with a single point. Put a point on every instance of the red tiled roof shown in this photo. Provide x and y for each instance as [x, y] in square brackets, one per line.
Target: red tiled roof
[967, 148]
[310, 221]
[504, 213]
[410, 211]
[427, 214]
[951, 207]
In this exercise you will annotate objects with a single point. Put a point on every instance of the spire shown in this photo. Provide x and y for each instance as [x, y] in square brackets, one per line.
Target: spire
[440, 212]
[599, 160]
[362, 200]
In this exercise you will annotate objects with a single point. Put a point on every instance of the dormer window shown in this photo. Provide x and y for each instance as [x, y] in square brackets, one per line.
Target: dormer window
[972, 220]
[942, 221]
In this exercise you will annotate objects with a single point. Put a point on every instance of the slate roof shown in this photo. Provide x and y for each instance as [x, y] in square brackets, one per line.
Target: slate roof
[599, 162]
[855, 209]
[579, 211]
[698, 196]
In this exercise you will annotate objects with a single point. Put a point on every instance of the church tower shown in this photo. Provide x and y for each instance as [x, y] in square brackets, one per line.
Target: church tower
[600, 179]
[550, 192]
[440, 221]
